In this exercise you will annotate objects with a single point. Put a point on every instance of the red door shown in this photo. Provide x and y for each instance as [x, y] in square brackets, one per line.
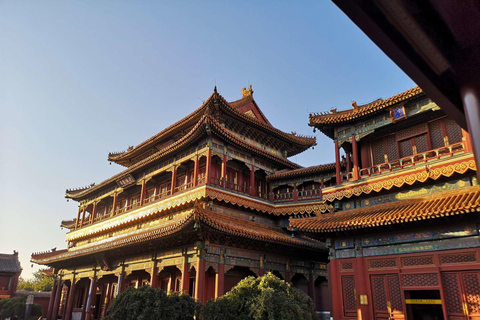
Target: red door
[387, 297]
[462, 295]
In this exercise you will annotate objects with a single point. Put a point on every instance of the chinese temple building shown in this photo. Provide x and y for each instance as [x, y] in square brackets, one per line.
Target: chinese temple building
[213, 198]
[10, 271]
[403, 237]
[198, 207]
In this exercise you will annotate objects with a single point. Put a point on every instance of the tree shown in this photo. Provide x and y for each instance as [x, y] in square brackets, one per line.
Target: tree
[16, 307]
[147, 303]
[39, 282]
[263, 298]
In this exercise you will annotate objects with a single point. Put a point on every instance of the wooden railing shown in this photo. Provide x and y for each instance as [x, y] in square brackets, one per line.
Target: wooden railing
[217, 182]
[283, 197]
[410, 161]
[310, 194]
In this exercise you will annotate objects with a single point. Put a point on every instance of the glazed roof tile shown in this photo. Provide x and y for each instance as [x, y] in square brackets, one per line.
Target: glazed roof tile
[302, 172]
[206, 218]
[342, 117]
[9, 263]
[229, 109]
[434, 206]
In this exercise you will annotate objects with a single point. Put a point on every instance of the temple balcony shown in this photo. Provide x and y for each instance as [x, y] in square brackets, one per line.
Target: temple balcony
[162, 193]
[410, 162]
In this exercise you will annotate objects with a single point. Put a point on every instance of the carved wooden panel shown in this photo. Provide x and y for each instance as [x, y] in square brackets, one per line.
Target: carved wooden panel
[349, 302]
[417, 261]
[420, 280]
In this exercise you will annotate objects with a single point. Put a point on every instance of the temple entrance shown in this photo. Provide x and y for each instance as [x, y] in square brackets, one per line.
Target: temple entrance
[424, 305]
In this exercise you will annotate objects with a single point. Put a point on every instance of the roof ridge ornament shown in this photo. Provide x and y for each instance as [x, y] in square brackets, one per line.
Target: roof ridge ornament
[247, 93]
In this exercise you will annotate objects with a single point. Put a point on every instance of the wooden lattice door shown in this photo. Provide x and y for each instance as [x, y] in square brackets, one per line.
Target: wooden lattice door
[387, 297]
[462, 295]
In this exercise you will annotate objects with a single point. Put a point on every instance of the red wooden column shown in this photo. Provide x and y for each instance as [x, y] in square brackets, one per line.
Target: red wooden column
[52, 300]
[311, 287]
[208, 166]
[94, 212]
[224, 171]
[295, 192]
[120, 282]
[78, 218]
[252, 181]
[56, 304]
[185, 277]
[91, 298]
[71, 297]
[322, 184]
[471, 103]
[337, 163]
[154, 275]
[335, 286]
[200, 281]
[174, 180]
[467, 142]
[356, 174]
[195, 171]
[270, 192]
[83, 216]
[114, 206]
[261, 270]
[361, 286]
[220, 281]
[142, 193]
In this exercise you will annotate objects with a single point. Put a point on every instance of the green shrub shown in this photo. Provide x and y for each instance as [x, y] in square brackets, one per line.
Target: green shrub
[16, 307]
[263, 298]
[147, 303]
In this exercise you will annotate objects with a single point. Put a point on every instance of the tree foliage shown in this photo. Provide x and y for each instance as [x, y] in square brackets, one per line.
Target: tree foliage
[16, 307]
[39, 282]
[263, 298]
[147, 303]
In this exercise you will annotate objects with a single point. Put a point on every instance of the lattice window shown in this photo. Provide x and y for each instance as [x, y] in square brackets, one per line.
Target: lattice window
[458, 258]
[405, 148]
[347, 266]
[412, 131]
[391, 143]
[420, 280]
[379, 293]
[383, 263]
[377, 151]
[436, 134]
[421, 143]
[454, 132]
[417, 261]
[452, 292]
[472, 291]
[349, 303]
[395, 293]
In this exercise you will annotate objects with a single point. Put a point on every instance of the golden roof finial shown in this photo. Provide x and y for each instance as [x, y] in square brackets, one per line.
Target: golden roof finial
[246, 93]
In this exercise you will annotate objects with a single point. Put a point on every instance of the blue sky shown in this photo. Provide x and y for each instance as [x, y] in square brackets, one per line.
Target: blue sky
[80, 79]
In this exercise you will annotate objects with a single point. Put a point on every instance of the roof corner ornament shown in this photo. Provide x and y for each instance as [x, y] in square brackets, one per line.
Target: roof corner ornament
[215, 90]
[333, 110]
[355, 105]
[247, 93]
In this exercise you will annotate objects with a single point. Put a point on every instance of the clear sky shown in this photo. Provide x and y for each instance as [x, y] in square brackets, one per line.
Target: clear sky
[81, 78]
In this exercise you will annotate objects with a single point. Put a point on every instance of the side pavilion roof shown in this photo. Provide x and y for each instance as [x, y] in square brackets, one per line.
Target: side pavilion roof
[449, 203]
